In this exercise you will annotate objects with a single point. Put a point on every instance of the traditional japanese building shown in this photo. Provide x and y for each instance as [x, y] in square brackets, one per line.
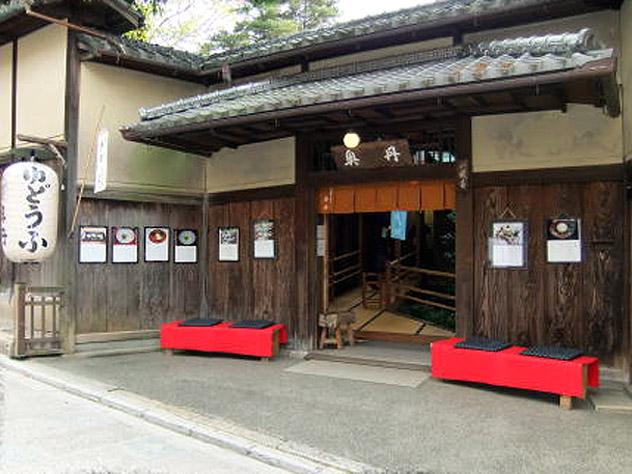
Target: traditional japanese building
[473, 117]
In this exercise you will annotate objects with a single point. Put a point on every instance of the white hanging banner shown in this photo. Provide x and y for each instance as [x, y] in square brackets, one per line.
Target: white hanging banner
[124, 245]
[228, 244]
[156, 244]
[563, 241]
[186, 246]
[93, 244]
[28, 212]
[101, 165]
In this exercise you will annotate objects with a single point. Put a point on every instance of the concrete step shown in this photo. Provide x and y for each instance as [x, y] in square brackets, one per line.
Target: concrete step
[113, 348]
[611, 398]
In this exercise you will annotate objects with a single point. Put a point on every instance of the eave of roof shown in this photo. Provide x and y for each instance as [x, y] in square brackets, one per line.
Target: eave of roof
[140, 55]
[444, 15]
[119, 15]
[438, 73]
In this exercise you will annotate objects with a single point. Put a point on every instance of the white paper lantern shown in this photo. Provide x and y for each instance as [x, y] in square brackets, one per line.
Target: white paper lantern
[29, 205]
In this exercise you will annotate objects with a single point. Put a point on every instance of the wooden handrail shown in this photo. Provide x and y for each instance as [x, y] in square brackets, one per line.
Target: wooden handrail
[424, 291]
[427, 302]
[397, 261]
[345, 255]
[426, 271]
[350, 275]
[346, 270]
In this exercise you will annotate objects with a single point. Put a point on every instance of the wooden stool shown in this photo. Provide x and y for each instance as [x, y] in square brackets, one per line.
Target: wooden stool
[373, 290]
[334, 323]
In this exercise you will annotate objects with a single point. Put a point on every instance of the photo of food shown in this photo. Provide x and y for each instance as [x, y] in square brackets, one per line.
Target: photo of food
[508, 233]
[563, 229]
[264, 230]
[229, 236]
[94, 234]
[186, 237]
[157, 236]
[125, 236]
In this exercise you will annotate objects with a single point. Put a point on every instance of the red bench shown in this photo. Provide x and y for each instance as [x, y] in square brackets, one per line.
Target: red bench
[508, 368]
[222, 338]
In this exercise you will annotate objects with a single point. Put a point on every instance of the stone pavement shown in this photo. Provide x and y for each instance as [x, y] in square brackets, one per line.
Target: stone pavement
[46, 430]
[435, 427]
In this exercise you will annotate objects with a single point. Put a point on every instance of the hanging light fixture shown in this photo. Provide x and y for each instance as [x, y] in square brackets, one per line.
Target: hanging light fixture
[29, 208]
[351, 139]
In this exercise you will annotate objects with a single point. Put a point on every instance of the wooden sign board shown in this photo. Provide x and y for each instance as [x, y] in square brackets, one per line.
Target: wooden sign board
[383, 153]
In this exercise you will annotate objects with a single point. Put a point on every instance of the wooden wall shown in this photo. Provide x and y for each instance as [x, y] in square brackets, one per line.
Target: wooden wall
[126, 297]
[577, 305]
[253, 288]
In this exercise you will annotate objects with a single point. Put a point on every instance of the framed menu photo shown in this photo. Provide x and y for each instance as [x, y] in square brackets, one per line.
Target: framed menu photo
[124, 245]
[507, 245]
[264, 243]
[157, 244]
[93, 244]
[228, 242]
[186, 246]
[563, 240]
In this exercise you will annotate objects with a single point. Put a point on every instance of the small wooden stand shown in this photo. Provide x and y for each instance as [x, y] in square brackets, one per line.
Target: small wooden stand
[331, 328]
[276, 347]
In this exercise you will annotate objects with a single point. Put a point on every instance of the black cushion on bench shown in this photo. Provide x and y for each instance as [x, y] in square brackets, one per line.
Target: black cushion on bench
[253, 324]
[482, 344]
[200, 323]
[552, 352]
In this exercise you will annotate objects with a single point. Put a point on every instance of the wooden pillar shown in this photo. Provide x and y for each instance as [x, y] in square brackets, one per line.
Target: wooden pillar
[306, 323]
[68, 241]
[464, 229]
[19, 293]
[627, 280]
[203, 257]
[326, 267]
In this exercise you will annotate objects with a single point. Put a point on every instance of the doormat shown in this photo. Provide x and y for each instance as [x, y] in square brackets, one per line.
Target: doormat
[362, 373]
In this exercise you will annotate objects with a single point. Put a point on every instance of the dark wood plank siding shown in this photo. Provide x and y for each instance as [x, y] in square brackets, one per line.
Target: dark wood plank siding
[569, 304]
[125, 297]
[252, 288]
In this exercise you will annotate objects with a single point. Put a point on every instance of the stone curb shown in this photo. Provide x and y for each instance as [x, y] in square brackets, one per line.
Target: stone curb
[271, 450]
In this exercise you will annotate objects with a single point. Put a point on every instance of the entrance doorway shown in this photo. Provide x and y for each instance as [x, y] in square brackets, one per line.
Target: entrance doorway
[393, 268]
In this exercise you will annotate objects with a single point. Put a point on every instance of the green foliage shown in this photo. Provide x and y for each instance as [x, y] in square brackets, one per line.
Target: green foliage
[262, 20]
[439, 317]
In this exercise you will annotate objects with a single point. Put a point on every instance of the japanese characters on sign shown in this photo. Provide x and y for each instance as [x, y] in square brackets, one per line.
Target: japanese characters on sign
[373, 155]
[28, 212]
[508, 244]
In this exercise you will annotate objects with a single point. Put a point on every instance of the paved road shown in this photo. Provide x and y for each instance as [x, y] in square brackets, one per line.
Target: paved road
[438, 427]
[45, 430]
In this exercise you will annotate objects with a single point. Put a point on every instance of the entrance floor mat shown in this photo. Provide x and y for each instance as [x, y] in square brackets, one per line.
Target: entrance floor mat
[362, 373]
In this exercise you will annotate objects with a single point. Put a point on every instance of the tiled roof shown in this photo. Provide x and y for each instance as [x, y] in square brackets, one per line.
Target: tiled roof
[17, 7]
[432, 14]
[11, 9]
[128, 48]
[418, 71]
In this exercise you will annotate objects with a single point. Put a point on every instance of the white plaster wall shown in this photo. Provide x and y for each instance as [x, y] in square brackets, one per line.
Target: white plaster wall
[382, 53]
[582, 136]
[6, 54]
[133, 166]
[41, 82]
[605, 24]
[257, 165]
[625, 74]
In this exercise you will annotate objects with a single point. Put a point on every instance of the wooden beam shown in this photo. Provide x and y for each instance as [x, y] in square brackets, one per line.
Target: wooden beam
[569, 174]
[257, 194]
[465, 234]
[369, 175]
[43, 141]
[306, 264]
[14, 92]
[67, 238]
